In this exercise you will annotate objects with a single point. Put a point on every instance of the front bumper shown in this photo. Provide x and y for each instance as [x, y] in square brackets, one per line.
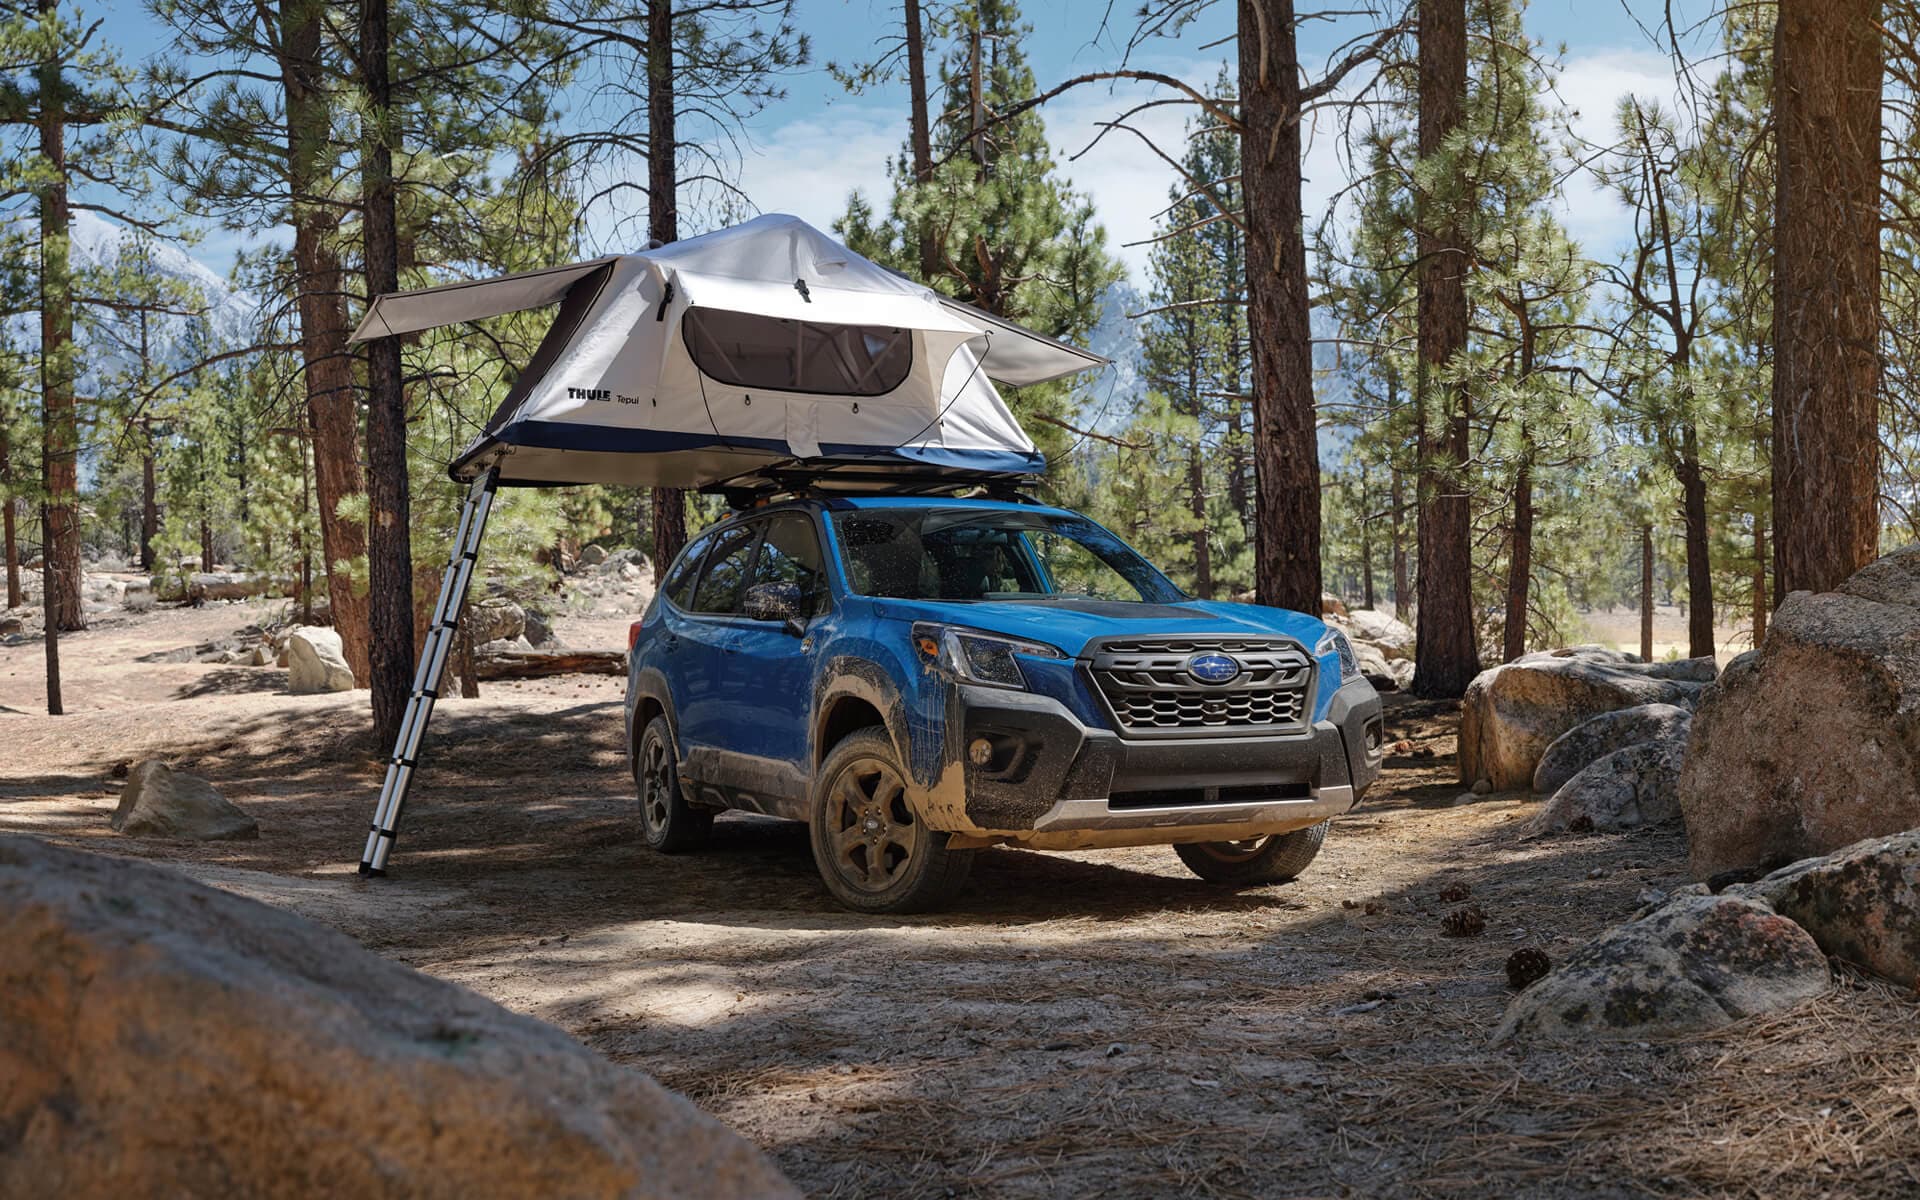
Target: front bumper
[1053, 782]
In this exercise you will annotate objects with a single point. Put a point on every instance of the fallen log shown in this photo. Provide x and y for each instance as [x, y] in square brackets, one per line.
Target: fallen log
[538, 664]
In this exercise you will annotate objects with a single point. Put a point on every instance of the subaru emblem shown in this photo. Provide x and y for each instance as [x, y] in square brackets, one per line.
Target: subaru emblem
[1213, 668]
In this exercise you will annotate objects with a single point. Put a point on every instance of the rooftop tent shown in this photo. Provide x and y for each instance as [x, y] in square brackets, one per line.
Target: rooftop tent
[711, 361]
[723, 355]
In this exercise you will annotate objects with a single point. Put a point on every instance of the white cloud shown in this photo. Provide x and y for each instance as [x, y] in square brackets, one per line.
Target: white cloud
[808, 166]
[1592, 86]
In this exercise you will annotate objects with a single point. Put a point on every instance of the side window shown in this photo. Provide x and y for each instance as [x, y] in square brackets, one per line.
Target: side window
[724, 581]
[679, 584]
[790, 553]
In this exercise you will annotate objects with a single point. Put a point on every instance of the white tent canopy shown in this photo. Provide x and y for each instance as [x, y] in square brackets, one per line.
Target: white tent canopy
[732, 353]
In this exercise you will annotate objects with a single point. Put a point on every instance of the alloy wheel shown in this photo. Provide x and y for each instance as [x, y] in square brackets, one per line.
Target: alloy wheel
[874, 833]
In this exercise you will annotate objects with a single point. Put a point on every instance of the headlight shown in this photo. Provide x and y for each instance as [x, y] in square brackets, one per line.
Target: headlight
[976, 657]
[1336, 642]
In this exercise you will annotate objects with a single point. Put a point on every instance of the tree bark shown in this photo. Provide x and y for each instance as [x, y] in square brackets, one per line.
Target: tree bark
[663, 226]
[1646, 593]
[60, 432]
[389, 533]
[1519, 563]
[1693, 505]
[1366, 541]
[1446, 655]
[1402, 589]
[55, 707]
[1197, 506]
[1759, 581]
[149, 496]
[9, 538]
[331, 407]
[921, 132]
[1286, 454]
[1828, 63]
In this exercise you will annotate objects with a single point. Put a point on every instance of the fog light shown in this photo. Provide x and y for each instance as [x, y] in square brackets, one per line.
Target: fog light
[980, 752]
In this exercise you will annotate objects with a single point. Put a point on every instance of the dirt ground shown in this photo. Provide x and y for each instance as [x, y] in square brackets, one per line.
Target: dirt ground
[1078, 1025]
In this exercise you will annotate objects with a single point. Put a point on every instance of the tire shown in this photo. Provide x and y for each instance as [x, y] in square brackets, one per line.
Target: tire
[667, 822]
[872, 849]
[1275, 859]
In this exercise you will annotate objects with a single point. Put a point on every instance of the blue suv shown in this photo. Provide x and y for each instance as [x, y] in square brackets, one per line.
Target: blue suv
[920, 677]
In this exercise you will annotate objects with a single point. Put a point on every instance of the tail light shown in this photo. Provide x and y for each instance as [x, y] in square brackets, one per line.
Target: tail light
[633, 635]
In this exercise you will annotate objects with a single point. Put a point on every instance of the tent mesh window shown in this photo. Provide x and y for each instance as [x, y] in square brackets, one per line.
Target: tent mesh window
[748, 350]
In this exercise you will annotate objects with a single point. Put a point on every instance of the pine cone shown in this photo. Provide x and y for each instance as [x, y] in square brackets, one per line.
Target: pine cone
[1526, 966]
[1454, 893]
[1464, 922]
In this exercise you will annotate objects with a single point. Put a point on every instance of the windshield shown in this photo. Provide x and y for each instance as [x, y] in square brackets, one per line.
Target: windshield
[991, 554]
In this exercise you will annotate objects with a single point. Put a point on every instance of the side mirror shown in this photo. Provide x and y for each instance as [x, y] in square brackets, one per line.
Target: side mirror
[775, 602]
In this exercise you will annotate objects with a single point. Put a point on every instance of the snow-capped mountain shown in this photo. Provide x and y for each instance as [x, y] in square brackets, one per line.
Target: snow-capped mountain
[228, 317]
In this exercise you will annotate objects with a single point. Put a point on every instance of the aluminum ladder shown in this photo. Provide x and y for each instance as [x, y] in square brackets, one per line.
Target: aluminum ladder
[426, 681]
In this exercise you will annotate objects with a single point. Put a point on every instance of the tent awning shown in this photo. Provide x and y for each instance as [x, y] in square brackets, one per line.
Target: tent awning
[1018, 356]
[470, 300]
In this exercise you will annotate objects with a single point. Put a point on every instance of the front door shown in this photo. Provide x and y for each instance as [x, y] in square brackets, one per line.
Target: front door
[772, 667]
[707, 632]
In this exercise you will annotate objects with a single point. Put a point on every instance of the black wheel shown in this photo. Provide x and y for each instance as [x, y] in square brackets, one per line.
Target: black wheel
[1274, 859]
[873, 850]
[667, 821]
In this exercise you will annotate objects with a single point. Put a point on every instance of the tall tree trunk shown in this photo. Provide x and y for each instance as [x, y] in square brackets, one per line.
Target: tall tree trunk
[1366, 541]
[1286, 455]
[149, 496]
[1646, 593]
[1202, 538]
[1693, 504]
[921, 134]
[60, 431]
[9, 536]
[389, 530]
[1759, 581]
[663, 226]
[1402, 590]
[1520, 562]
[55, 707]
[327, 367]
[1826, 315]
[1446, 656]
[206, 542]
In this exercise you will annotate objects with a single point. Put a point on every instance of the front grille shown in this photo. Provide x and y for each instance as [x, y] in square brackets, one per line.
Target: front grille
[1147, 687]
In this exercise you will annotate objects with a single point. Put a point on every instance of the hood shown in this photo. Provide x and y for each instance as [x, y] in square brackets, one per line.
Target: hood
[1071, 624]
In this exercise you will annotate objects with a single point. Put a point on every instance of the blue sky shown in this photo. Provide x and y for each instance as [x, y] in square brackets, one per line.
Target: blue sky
[807, 152]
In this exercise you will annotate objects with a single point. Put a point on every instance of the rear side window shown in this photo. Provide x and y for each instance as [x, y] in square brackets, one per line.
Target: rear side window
[679, 584]
[724, 581]
[749, 350]
[790, 554]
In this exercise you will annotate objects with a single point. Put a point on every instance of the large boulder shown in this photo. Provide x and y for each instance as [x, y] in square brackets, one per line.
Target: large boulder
[1695, 963]
[1394, 637]
[495, 619]
[158, 801]
[1513, 712]
[316, 662]
[1635, 785]
[1595, 738]
[1861, 903]
[1813, 743]
[159, 1038]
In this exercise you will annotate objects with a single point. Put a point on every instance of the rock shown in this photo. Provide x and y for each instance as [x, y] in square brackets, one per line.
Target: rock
[1861, 903]
[1693, 964]
[592, 555]
[161, 802]
[316, 662]
[1375, 667]
[1482, 787]
[1635, 786]
[9, 626]
[495, 619]
[513, 645]
[167, 1039]
[1593, 739]
[1330, 603]
[539, 631]
[1813, 743]
[1394, 637]
[138, 597]
[261, 656]
[1512, 713]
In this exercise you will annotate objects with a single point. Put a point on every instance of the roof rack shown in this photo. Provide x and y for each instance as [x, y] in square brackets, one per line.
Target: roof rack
[817, 477]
